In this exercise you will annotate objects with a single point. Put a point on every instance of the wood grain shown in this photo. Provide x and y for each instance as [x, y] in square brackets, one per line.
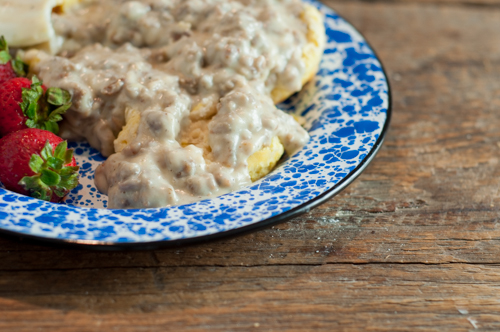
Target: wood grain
[343, 296]
[412, 245]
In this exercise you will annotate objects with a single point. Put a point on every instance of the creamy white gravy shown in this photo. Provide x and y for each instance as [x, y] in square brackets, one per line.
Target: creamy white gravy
[200, 72]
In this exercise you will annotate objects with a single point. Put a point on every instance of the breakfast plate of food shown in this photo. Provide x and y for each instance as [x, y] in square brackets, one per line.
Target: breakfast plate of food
[188, 120]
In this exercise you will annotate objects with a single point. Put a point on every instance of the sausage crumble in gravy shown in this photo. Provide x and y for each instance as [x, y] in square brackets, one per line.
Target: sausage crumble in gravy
[179, 94]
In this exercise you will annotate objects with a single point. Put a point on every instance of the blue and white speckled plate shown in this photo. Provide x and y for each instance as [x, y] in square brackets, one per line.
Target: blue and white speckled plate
[347, 108]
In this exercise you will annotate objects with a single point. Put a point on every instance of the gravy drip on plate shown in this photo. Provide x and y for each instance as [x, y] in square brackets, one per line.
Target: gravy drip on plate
[199, 72]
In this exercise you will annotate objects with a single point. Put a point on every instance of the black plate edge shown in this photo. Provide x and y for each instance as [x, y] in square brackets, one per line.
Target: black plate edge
[283, 217]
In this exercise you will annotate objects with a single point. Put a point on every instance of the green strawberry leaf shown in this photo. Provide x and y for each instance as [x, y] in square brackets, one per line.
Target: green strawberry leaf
[49, 126]
[30, 181]
[46, 152]
[19, 67]
[58, 97]
[68, 184]
[56, 114]
[68, 171]
[30, 102]
[55, 118]
[35, 80]
[36, 163]
[51, 176]
[55, 163]
[3, 44]
[31, 124]
[4, 57]
[4, 51]
[59, 193]
[32, 109]
[68, 156]
[61, 150]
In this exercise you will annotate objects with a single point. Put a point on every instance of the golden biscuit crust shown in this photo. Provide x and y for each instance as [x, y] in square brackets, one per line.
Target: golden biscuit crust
[263, 161]
[312, 52]
[129, 131]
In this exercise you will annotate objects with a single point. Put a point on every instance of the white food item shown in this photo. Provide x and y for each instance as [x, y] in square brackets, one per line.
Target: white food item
[26, 23]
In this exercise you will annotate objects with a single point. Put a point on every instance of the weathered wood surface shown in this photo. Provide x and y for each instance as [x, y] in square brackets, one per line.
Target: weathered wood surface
[412, 245]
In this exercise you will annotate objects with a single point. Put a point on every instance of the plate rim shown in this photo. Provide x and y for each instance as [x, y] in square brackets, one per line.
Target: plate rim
[280, 218]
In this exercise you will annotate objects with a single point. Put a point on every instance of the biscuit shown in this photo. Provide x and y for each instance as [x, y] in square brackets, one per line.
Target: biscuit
[260, 163]
[312, 52]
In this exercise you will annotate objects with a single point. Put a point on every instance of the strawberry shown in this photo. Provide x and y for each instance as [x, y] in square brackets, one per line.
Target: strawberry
[29, 104]
[10, 68]
[37, 163]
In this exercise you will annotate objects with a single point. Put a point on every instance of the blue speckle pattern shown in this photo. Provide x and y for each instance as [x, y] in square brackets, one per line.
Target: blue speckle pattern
[345, 108]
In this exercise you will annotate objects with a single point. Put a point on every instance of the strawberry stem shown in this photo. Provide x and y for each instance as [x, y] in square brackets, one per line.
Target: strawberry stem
[51, 176]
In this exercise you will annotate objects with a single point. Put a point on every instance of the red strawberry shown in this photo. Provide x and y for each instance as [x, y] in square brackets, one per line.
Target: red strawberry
[29, 104]
[9, 68]
[6, 72]
[37, 163]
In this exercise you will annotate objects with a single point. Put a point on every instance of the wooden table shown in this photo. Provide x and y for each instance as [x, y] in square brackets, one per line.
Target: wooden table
[411, 245]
